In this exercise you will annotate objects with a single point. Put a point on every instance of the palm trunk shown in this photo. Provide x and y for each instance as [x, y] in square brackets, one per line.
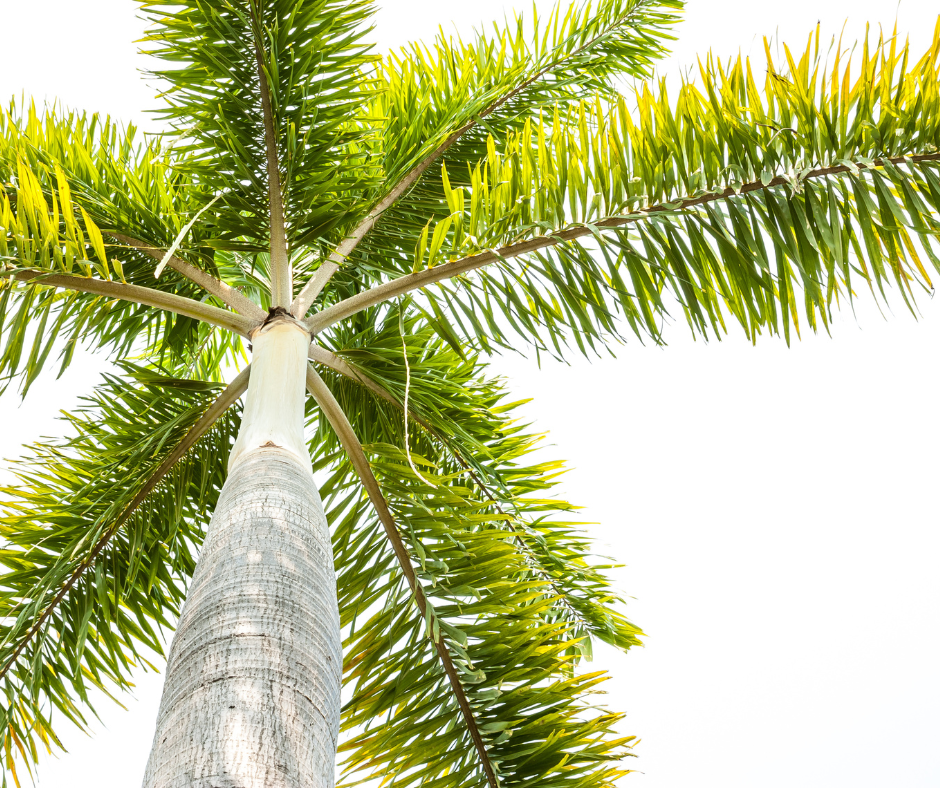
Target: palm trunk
[252, 692]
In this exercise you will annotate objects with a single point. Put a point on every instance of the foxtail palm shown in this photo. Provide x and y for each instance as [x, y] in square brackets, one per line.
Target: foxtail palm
[374, 227]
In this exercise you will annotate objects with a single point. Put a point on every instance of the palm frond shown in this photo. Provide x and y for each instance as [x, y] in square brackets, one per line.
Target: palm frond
[100, 534]
[68, 181]
[737, 199]
[334, 415]
[307, 57]
[131, 189]
[513, 655]
[445, 99]
[495, 557]
[462, 422]
[516, 654]
[455, 93]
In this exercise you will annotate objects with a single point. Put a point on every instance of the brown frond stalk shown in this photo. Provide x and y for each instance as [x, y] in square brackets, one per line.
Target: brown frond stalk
[225, 293]
[140, 295]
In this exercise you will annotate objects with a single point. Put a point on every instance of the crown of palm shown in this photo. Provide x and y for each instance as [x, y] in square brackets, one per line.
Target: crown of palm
[429, 207]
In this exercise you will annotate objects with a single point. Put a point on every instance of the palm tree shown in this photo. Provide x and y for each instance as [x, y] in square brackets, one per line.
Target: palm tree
[431, 207]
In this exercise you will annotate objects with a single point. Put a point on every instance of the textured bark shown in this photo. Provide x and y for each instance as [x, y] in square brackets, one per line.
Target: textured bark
[252, 692]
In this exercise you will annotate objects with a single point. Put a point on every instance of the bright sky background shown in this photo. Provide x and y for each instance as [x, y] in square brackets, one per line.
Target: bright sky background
[776, 508]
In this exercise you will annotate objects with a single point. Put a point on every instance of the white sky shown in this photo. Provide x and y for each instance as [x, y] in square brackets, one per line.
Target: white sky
[776, 508]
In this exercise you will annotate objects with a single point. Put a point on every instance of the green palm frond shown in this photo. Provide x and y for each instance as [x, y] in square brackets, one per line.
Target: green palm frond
[737, 199]
[71, 185]
[514, 654]
[497, 617]
[503, 569]
[445, 390]
[109, 174]
[463, 423]
[100, 533]
[444, 100]
[305, 60]
[496, 80]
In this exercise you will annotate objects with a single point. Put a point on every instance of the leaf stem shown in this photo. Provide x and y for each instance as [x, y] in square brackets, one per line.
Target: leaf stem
[139, 295]
[225, 293]
[281, 275]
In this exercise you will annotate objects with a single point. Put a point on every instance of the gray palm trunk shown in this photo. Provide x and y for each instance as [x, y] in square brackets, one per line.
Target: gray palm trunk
[252, 691]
